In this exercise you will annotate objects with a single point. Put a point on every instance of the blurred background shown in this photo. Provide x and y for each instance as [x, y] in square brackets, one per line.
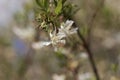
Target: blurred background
[17, 64]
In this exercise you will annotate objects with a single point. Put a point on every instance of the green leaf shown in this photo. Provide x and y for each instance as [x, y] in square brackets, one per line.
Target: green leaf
[43, 4]
[39, 3]
[46, 4]
[58, 9]
[67, 10]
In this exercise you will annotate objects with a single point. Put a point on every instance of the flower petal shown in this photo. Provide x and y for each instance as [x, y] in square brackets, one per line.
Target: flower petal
[68, 24]
[41, 44]
[73, 31]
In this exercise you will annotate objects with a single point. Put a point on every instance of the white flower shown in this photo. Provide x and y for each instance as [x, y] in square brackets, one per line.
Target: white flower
[57, 39]
[41, 44]
[63, 32]
[66, 28]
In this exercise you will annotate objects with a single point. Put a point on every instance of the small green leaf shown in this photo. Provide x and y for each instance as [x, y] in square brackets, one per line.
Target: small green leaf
[43, 4]
[58, 9]
[39, 3]
[46, 4]
[67, 10]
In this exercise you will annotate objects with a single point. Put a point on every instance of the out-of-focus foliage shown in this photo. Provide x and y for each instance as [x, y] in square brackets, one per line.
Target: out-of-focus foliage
[48, 64]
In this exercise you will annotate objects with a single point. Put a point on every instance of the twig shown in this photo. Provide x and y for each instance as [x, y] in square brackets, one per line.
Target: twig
[91, 22]
[85, 45]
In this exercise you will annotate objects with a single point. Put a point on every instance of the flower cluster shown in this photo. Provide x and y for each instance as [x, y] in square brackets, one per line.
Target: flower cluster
[57, 38]
[53, 17]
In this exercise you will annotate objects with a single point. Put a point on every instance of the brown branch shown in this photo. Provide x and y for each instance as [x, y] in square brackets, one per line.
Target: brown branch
[87, 44]
[91, 21]
[90, 56]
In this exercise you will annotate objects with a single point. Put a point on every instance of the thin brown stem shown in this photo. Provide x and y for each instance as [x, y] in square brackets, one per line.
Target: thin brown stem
[90, 55]
[91, 21]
